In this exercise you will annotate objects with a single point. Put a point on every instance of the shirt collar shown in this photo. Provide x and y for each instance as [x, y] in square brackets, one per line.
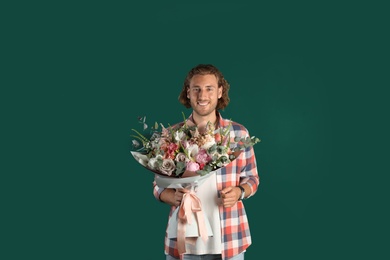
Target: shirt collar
[220, 121]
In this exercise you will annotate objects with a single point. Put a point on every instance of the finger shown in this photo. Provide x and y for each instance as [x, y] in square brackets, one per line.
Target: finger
[179, 193]
[182, 191]
[226, 190]
[229, 196]
[227, 205]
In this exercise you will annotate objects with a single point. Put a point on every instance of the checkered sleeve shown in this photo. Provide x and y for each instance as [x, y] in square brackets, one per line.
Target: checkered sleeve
[157, 191]
[236, 236]
[249, 174]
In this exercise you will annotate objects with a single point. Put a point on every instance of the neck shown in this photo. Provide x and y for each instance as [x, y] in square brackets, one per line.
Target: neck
[201, 121]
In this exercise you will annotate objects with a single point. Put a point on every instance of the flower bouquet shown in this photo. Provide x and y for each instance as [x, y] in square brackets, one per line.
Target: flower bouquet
[179, 149]
[183, 157]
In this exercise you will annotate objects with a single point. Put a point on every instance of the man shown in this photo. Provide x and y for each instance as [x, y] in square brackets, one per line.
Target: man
[205, 90]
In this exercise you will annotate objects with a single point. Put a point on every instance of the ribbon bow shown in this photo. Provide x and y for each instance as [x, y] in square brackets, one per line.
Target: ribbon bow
[189, 204]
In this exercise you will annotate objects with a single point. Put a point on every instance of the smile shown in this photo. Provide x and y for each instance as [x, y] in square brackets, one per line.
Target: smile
[203, 103]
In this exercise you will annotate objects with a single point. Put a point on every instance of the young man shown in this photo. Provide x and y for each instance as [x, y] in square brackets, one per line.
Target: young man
[205, 90]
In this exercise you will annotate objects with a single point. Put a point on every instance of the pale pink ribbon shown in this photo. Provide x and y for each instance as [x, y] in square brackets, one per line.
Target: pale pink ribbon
[189, 204]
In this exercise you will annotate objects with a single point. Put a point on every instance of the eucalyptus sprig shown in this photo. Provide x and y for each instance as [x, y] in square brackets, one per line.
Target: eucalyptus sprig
[245, 142]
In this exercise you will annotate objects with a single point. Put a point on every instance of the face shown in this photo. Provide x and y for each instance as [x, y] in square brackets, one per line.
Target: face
[204, 93]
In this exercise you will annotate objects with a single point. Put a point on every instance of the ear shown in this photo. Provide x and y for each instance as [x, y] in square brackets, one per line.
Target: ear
[220, 91]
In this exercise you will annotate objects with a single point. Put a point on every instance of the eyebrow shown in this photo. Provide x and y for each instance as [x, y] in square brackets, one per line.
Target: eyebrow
[208, 86]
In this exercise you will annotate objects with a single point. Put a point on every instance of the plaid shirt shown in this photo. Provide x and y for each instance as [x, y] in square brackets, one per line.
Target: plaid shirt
[235, 232]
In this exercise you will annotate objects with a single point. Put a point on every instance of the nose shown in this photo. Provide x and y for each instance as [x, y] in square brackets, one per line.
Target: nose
[202, 93]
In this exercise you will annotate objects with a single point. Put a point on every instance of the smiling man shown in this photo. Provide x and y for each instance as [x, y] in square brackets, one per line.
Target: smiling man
[205, 90]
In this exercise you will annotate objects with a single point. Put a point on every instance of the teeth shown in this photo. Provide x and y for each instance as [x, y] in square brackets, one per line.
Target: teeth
[202, 103]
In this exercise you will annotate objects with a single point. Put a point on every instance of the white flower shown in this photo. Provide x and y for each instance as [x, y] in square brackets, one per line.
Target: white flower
[136, 143]
[152, 164]
[193, 150]
[210, 142]
[180, 157]
[179, 135]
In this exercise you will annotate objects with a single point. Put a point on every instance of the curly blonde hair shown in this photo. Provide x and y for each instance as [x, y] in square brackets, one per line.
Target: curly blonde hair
[205, 69]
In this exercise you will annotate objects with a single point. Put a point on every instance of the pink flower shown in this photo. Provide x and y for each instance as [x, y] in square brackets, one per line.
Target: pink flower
[203, 157]
[192, 166]
[172, 147]
[171, 150]
[218, 137]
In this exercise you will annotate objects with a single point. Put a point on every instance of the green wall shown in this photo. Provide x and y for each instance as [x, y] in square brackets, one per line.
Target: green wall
[302, 78]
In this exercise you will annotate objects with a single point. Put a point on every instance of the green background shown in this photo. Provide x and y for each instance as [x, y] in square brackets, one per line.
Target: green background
[308, 79]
